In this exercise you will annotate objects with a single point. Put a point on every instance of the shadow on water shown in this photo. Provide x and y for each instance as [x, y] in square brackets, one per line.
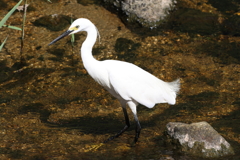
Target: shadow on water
[18, 75]
[36, 108]
[204, 96]
[19, 78]
[225, 6]
[89, 2]
[193, 21]
[3, 5]
[231, 120]
[199, 103]
[58, 53]
[99, 125]
[227, 52]
[15, 154]
[126, 48]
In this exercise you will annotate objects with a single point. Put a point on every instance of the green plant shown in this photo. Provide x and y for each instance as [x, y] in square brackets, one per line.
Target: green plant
[2, 22]
[1, 46]
[23, 25]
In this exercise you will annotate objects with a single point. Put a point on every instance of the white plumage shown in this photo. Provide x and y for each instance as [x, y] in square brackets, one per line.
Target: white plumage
[127, 82]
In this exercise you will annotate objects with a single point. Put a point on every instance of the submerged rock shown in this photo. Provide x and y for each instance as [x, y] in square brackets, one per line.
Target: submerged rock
[53, 22]
[194, 21]
[199, 139]
[231, 25]
[148, 13]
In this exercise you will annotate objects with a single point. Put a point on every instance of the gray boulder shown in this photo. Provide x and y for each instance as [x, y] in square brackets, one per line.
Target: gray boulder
[199, 139]
[148, 13]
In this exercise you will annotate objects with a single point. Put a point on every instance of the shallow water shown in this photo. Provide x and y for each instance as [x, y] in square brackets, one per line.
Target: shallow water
[52, 109]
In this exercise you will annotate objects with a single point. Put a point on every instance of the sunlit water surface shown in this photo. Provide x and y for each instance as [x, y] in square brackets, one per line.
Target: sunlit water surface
[52, 109]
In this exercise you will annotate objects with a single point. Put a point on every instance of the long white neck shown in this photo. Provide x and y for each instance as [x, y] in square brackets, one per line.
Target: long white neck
[86, 49]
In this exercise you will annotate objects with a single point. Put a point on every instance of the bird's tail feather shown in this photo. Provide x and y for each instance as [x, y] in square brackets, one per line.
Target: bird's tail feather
[175, 85]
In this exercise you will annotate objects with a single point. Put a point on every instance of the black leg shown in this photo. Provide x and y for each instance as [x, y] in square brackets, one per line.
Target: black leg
[138, 128]
[124, 129]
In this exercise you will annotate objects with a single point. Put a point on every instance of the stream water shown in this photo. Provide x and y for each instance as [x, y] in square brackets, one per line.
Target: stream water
[50, 108]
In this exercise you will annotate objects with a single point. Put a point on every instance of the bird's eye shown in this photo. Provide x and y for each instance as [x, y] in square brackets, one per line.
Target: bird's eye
[77, 26]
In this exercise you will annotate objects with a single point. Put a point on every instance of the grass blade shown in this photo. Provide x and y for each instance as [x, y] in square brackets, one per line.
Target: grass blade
[3, 43]
[72, 36]
[23, 31]
[12, 27]
[2, 22]
[72, 39]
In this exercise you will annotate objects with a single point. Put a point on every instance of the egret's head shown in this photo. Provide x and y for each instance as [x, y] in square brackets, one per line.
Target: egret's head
[78, 25]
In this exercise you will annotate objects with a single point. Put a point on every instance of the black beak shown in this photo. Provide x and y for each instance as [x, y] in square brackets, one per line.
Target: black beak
[62, 36]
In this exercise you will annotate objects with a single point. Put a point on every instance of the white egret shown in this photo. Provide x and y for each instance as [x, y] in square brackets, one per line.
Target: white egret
[127, 82]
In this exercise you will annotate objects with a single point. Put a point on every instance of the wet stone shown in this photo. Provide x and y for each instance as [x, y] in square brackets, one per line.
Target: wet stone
[147, 13]
[198, 139]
